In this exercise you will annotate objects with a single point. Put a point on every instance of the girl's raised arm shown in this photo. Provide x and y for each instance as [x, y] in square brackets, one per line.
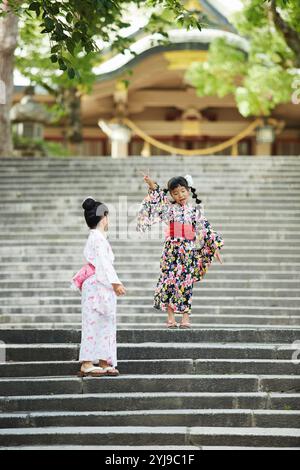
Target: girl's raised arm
[152, 185]
[155, 207]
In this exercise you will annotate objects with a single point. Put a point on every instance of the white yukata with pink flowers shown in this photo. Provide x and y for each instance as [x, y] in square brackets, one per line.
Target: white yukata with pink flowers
[99, 303]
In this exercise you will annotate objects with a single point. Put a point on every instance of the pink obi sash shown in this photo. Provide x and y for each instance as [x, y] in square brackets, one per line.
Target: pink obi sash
[179, 230]
[85, 272]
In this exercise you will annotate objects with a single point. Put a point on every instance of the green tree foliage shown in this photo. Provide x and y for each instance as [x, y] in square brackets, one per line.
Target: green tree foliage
[77, 24]
[262, 78]
[35, 63]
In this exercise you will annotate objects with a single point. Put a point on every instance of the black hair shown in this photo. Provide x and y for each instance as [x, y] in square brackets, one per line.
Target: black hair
[181, 181]
[92, 214]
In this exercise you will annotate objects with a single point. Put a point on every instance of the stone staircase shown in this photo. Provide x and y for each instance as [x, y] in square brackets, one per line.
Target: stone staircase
[231, 382]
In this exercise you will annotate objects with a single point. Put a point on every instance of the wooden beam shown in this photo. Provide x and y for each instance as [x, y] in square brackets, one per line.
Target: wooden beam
[167, 129]
[214, 129]
[181, 99]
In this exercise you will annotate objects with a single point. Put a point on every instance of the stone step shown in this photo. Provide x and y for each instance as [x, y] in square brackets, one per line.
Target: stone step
[146, 293]
[136, 159]
[141, 436]
[157, 163]
[280, 237]
[128, 448]
[215, 277]
[215, 167]
[130, 234]
[144, 244]
[260, 172]
[261, 169]
[138, 322]
[246, 192]
[134, 189]
[186, 417]
[152, 253]
[30, 226]
[201, 171]
[83, 180]
[148, 301]
[145, 310]
[157, 401]
[150, 383]
[132, 270]
[211, 205]
[29, 195]
[226, 335]
[72, 194]
[159, 366]
[151, 283]
[169, 448]
[236, 301]
[137, 326]
[207, 290]
[56, 352]
[61, 275]
[266, 173]
[152, 259]
[132, 173]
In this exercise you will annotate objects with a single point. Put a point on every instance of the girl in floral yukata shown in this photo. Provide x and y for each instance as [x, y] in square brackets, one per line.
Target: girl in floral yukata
[190, 246]
[100, 288]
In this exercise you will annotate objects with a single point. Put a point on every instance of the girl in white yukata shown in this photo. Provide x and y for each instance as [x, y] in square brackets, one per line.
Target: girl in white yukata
[100, 288]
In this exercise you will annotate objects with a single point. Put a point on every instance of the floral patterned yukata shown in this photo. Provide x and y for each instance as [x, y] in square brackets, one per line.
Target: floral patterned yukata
[185, 259]
[99, 303]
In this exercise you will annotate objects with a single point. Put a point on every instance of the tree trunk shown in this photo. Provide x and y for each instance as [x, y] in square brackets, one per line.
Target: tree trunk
[74, 137]
[8, 43]
[292, 37]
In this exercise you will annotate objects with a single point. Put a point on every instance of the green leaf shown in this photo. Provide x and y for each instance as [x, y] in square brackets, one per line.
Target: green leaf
[49, 24]
[76, 36]
[69, 17]
[55, 48]
[62, 64]
[71, 73]
[34, 6]
[70, 45]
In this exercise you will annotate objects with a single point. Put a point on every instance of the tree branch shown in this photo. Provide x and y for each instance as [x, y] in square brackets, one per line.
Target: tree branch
[291, 36]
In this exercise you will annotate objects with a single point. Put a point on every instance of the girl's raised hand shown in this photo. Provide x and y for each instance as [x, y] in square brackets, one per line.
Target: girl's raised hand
[149, 180]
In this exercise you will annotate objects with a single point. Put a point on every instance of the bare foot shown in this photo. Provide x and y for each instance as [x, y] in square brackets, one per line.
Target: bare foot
[171, 322]
[185, 322]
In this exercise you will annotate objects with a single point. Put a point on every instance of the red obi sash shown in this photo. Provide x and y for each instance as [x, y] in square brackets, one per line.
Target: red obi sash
[179, 230]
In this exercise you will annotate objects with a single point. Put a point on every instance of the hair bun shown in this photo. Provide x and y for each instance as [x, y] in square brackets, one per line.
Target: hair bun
[88, 203]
